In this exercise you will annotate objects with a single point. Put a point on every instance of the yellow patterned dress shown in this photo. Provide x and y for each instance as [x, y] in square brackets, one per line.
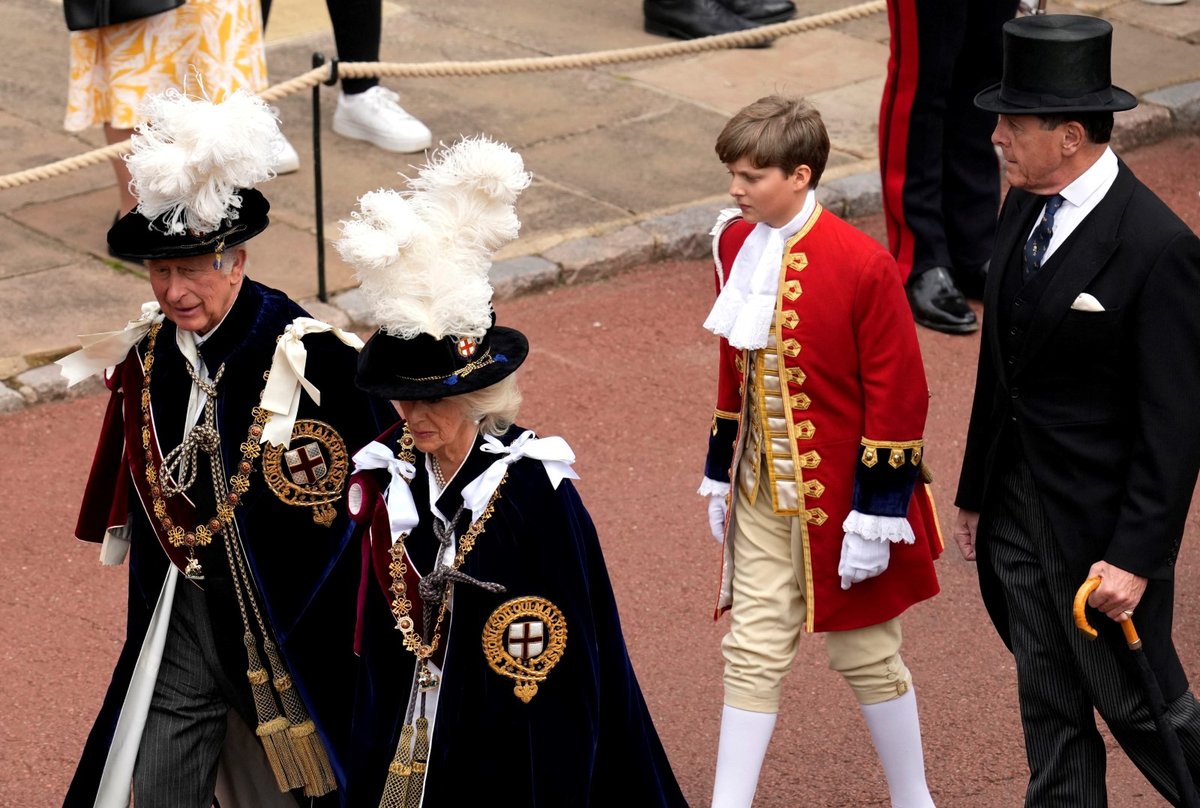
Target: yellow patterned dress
[204, 47]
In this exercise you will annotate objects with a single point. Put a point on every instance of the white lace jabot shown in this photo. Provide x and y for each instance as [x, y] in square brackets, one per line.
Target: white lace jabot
[746, 306]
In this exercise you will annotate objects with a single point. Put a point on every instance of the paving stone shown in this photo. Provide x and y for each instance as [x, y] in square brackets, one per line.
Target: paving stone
[517, 276]
[328, 313]
[10, 399]
[684, 234]
[46, 383]
[595, 257]
[1144, 124]
[356, 307]
[856, 195]
[1182, 101]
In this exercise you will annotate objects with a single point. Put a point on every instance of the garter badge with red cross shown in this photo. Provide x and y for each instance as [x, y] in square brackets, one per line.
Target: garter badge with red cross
[312, 472]
[467, 347]
[305, 464]
[523, 639]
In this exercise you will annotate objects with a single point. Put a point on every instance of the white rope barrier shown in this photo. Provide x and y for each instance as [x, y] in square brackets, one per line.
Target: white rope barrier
[542, 64]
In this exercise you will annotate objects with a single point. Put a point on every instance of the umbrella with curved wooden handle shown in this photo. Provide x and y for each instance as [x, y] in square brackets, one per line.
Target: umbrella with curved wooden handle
[1158, 707]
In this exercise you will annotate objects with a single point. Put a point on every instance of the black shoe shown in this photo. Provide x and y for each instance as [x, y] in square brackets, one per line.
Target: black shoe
[761, 12]
[972, 281]
[691, 19]
[936, 303]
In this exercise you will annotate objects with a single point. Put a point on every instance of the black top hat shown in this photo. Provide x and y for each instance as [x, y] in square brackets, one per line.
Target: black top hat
[425, 367]
[1056, 63]
[135, 236]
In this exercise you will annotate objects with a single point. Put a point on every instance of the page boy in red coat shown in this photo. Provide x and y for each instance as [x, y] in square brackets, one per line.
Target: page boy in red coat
[814, 462]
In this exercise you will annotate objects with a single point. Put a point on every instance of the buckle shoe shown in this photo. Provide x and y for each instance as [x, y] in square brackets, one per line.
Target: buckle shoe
[377, 117]
[937, 304]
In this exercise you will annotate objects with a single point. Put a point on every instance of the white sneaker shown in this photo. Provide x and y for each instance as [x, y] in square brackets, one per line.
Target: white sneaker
[377, 117]
[288, 160]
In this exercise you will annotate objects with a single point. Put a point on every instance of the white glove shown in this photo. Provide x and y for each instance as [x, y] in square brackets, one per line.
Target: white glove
[716, 517]
[862, 558]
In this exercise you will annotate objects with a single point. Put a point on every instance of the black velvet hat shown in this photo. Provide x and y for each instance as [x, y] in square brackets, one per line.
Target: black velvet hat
[424, 368]
[135, 236]
[1056, 63]
[194, 166]
[423, 258]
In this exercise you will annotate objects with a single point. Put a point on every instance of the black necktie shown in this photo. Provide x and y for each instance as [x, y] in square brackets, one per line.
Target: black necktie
[1039, 239]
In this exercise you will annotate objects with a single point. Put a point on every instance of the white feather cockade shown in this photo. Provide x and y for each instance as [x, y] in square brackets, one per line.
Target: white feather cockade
[191, 159]
[422, 256]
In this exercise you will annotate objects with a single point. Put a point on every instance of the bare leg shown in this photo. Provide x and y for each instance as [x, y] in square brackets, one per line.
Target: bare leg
[128, 200]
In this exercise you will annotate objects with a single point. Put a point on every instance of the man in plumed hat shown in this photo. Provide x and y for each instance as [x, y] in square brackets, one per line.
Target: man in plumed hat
[1083, 446]
[220, 474]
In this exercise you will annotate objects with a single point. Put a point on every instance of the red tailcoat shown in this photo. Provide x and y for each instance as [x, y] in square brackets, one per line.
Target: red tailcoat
[856, 397]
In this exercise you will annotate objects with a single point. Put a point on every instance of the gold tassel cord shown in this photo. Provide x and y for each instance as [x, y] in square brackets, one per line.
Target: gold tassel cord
[416, 783]
[312, 761]
[395, 788]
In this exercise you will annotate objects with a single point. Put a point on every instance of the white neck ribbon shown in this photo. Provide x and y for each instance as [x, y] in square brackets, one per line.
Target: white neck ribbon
[555, 454]
[401, 508]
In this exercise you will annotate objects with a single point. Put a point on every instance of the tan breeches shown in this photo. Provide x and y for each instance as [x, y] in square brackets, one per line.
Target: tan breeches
[768, 616]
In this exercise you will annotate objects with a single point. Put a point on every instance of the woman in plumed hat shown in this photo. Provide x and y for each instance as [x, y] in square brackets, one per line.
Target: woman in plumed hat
[495, 671]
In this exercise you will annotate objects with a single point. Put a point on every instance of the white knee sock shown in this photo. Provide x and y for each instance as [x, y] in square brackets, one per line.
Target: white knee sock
[740, 752]
[896, 731]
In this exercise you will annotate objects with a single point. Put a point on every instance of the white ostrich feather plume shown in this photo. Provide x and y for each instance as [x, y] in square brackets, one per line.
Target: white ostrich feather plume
[193, 156]
[423, 256]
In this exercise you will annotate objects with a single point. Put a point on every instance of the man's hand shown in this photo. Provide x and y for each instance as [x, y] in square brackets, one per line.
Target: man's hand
[966, 523]
[716, 517]
[1119, 592]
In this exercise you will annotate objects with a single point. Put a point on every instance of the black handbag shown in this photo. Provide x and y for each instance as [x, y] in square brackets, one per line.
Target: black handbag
[85, 14]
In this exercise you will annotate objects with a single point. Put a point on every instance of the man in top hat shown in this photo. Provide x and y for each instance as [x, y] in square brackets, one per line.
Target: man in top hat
[1083, 447]
[220, 472]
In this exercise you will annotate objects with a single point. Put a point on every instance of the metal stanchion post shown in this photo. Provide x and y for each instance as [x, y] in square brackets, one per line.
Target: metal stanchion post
[318, 59]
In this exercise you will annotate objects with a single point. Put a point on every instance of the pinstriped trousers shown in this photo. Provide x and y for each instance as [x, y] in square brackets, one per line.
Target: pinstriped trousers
[1062, 676]
[185, 729]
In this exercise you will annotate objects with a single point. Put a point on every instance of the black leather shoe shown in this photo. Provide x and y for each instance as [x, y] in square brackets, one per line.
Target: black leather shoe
[971, 281]
[691, 19]
[761, 12]
[936, 303]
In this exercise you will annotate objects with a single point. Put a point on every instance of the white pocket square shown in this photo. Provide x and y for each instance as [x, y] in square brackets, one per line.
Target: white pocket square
[1086, 302]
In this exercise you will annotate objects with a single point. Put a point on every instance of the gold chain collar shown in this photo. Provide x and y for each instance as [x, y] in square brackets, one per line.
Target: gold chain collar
[401, 605]
[239, 482]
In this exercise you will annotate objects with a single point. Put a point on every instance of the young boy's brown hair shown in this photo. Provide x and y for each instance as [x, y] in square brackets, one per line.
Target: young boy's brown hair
[777, 131]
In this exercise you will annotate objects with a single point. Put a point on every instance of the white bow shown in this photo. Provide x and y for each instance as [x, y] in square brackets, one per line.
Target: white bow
[107, 348]
[281, 396]
[402, 510]
[555, 454]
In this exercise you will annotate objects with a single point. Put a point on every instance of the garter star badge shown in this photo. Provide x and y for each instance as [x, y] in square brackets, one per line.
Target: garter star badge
[523, 639]
[466, 347]
[312, 472]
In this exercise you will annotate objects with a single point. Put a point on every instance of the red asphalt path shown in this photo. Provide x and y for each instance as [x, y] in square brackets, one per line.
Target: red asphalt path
[623, 371]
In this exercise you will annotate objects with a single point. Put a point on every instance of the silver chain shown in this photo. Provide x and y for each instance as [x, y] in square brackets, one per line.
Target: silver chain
[178, 470]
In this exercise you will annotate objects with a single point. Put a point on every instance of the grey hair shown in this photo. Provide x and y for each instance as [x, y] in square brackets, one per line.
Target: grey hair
[494, 407]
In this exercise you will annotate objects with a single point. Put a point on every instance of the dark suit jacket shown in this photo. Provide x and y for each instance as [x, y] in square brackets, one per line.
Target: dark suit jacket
[1104, 404]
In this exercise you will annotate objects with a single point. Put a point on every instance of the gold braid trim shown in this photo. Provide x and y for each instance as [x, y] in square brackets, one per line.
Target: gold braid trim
[896, 452]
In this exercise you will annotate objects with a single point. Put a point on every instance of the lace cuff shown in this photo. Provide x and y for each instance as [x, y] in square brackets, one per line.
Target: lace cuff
[710, 487]
[879, 528]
